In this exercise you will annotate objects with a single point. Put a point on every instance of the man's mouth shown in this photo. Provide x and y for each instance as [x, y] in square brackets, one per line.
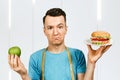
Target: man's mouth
[57, 38]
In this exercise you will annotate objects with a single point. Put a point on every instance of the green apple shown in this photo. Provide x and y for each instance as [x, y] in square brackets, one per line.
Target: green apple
[15, 50]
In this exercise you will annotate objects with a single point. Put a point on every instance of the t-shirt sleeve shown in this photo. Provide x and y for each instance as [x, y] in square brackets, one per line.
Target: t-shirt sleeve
[33, 71]
[81, 62]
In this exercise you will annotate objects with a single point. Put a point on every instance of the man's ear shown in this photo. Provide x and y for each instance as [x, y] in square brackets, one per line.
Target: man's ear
[44, 30]
[66, 28]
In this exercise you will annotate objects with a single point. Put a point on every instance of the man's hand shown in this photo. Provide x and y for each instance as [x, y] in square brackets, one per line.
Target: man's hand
[94, 55]
[16, 65]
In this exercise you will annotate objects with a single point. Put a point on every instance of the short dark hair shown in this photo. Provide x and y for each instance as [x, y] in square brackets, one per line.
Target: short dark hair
[55, 12]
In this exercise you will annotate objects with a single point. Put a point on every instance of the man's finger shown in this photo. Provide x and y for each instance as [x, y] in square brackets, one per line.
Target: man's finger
[89, 47]
[100, 50]
[15, 62]
[9, 59]
[106, 48]
[19, 62]
[12, 61]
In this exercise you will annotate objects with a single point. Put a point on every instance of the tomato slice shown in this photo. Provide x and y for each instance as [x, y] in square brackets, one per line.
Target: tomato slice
[99, 39]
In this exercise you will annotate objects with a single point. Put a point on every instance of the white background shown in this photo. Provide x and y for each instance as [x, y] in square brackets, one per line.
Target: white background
[26, 31]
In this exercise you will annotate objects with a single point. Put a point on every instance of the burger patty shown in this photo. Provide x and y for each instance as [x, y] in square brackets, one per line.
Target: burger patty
[99, 39]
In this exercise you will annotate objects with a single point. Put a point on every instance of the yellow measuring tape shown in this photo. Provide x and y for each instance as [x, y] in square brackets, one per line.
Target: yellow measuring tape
[69, 58]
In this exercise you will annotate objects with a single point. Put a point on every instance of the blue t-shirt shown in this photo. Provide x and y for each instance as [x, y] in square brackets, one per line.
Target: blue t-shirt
[57, 66]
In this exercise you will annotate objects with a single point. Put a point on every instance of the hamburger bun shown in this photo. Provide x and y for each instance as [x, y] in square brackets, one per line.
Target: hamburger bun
[100, 37]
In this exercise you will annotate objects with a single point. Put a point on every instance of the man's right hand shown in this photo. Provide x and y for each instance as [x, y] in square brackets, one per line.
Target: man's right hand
[16, 65]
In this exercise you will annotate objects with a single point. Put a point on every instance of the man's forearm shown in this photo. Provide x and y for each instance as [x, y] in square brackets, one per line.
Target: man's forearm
[25, 77]
[89, 75]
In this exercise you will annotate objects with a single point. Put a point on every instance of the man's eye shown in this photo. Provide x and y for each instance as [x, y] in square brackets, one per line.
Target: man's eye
[60, 27]
[49, 28]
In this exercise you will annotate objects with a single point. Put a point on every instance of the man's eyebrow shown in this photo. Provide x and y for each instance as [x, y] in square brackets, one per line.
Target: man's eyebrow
[57, 25]
[60, 24]
[49, 26]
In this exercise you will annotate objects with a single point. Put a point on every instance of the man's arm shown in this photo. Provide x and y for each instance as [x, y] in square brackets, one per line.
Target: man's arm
[93, 56]
[16, 65]
[80, 76]
[25, 77]
[89, 75]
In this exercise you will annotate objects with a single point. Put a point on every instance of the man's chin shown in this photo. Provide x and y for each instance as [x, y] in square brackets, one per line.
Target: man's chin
[57, 44]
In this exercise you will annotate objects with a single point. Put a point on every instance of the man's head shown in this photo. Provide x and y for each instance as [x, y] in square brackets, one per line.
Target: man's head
[54, 12]
[55, 26]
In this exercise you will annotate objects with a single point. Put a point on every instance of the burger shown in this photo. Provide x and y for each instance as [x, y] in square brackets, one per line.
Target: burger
[100, 37]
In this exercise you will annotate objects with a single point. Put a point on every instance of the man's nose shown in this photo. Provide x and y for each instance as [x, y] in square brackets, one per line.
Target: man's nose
[55, 31]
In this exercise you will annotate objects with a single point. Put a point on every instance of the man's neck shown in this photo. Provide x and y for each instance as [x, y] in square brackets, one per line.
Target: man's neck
[56, 48]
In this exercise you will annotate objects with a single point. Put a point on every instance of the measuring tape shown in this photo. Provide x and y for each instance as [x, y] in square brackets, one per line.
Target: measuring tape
[69, 58]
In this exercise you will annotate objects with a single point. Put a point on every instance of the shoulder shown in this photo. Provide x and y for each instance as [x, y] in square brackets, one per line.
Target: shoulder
[37, 54]
[75, 51]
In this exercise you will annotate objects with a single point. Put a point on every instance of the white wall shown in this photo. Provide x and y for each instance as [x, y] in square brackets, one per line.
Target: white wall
[26, 31]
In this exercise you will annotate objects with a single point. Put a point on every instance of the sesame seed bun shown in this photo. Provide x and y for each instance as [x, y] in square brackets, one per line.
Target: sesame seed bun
[100, 34]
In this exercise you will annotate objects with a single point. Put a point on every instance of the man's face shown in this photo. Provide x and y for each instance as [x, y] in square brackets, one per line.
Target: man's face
[55, 29]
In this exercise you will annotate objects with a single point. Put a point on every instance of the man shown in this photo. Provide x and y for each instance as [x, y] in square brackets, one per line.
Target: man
[57, 61]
